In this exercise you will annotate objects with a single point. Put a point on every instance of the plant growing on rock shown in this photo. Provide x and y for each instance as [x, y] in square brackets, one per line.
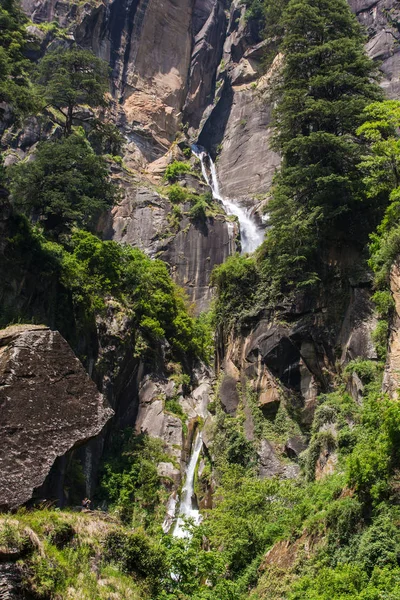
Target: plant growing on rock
[70, 79]
[175, 169]
[65, 185]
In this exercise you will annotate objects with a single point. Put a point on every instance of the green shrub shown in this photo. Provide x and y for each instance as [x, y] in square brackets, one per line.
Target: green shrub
[198, 212]
[236, 282]
[380, 338]
[66, 185]
[172, 405]
[384, 302]
[379, 545]
[61, 534]
[367, 370]
[138, 555]
[175, 169]
[129, 480]
[177, 194]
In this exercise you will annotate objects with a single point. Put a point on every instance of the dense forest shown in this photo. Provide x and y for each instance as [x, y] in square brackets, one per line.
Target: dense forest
[331, 531]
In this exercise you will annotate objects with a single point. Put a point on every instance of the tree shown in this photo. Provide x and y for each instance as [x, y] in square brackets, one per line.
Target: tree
[69, 79]
[380, 167]
[15, 89]
[325, 84]
[66, 184]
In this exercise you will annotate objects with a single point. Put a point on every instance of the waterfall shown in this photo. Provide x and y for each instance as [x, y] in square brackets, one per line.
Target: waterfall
[186, 508]
[251, 234]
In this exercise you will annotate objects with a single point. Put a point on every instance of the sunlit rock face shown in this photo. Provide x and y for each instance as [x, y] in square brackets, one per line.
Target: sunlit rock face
[48, 405]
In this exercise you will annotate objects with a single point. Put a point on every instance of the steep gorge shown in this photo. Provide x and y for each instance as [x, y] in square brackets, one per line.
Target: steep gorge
[183, 73]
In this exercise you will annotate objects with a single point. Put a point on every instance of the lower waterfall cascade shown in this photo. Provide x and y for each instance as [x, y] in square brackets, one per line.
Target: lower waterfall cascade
[251, 234]
[186, 506]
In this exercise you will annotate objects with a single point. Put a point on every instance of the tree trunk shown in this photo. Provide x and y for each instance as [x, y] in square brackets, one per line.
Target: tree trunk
[68, 122]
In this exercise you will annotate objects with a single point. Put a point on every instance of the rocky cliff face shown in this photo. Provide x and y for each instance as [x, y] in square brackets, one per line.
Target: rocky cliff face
[194, 67]
[48, 405]
[381, 21]
[191, 248]
[186, 71]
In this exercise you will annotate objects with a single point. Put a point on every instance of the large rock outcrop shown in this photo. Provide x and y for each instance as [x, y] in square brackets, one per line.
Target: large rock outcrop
[48, 405]
[191, 248]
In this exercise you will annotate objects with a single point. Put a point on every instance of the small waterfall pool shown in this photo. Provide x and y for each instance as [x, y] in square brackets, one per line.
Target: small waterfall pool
[251, 234]
[186, 507]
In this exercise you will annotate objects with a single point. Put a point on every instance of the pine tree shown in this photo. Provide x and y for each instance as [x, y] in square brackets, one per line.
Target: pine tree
[69, 79]
[326, 82]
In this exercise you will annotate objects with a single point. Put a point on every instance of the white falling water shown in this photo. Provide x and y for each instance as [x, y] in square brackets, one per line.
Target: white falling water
[250, 233]
[186, 508]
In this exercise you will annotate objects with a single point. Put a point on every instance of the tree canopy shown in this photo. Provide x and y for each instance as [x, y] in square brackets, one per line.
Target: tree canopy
[69, 79]
[66, 184]
[326, 82]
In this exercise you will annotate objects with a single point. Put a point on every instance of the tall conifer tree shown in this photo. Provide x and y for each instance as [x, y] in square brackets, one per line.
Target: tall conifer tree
[325, 83]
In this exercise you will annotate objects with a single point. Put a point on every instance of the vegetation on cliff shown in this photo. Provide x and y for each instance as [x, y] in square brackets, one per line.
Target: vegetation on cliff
[63, 188]
[319, 201]
[330, 532]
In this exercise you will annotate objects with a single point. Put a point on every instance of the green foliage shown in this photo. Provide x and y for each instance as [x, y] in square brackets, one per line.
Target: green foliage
[65, 185]
[177, 194]
[69, 79]
[269, 16]
[337, 537]
[318, 197]
[198, 211]
[105, 138]
[129, 480]
[15, 88]
[137, 554]
[380, 166]
[90, 270]
[61, 535]
[236, 285]
[175, 169]
[317, 192]
[384, 303]
[380, 338]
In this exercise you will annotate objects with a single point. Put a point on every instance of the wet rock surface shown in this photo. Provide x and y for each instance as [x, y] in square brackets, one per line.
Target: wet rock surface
[48, 404]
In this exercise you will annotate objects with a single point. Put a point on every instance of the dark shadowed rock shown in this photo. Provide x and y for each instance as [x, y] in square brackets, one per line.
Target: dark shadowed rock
[295, 446]
[229, 395]
[48, 405]
[269, 463]
[209, 24]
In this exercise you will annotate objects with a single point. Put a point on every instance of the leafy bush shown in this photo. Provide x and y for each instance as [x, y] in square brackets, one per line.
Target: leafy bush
[65, 185]
[137, 554]
[129, 479]
[198, 211]
[236, 283]
[177, 194]
[70, 78]
[380, 338]
[175, 169]
[61, 534]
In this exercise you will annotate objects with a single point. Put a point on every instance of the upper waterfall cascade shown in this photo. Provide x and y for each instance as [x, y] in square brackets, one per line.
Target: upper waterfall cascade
[251, 234]
[186, 508]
